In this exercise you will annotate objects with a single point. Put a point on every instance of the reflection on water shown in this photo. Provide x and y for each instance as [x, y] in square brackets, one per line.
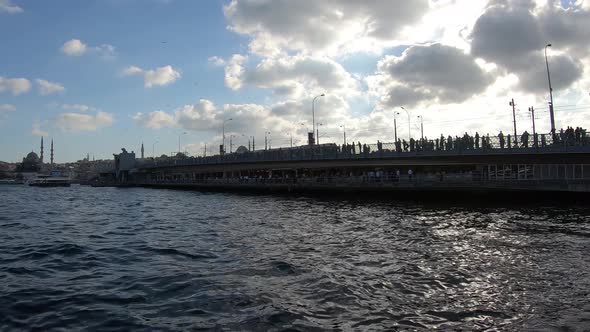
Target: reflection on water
[105, 258]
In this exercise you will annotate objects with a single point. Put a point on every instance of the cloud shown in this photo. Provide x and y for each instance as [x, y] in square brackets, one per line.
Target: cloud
[291, 76]
[105, 50]
[513, 35]
[434, 73]
[5, 108]
[320, 26]
[16, 86]
[8, 7]
[75, 47]
[234, 71]
[47, 88]
[205, 116]
[36, 130]
[216, 61]
[78, 107]
[77, 122]
[154, 120]
[159, 77]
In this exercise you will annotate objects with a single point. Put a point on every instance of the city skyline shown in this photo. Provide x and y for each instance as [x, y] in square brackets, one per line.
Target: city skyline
[113, 74]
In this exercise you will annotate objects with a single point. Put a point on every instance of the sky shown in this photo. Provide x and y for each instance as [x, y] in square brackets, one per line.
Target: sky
[96, 76]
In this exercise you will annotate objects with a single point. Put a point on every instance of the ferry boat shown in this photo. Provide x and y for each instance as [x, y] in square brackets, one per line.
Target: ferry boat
[53, 180]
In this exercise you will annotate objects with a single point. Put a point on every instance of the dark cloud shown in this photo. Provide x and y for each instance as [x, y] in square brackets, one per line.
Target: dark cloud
[501, 35]
[435, 72]
[513, 35]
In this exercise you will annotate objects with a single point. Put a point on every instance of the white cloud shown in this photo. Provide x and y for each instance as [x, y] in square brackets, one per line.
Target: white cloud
[216, 61]
[280, 119]
[292, 76]
[7, 108]
[76, 122]
[106, 50]
[16, 86]
[155, 77]
[327, 27]
[47, 88]
[154, 120]
[234, 71]
[8, 7]
[75, 47]
[4, 110]
[36, 130]
[132, 70]
[78, 107]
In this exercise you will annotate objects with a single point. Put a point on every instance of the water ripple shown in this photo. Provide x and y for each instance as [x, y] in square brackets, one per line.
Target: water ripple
[134, 259]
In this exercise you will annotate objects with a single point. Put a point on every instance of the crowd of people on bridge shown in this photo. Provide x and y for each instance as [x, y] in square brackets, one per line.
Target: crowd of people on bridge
[567, 137]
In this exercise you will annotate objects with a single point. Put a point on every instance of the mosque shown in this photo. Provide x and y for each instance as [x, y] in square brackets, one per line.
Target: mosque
[33, 163]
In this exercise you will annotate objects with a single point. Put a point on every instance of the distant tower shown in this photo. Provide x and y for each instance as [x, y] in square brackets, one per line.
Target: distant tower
[41, 150]
[87, 156]
[141, 150]
[52, 151]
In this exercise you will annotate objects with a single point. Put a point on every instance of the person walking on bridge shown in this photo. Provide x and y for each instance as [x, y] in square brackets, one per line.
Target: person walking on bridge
[525, 139]
[501, 137]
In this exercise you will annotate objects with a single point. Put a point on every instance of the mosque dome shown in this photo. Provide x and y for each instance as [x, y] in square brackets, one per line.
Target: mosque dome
[32, 157]
[242, 149]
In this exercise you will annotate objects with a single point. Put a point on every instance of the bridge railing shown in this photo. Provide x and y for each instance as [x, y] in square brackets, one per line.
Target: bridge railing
[449, 146]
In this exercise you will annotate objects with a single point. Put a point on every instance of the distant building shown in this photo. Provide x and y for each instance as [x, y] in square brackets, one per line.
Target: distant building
[124, 162]
[30, 164]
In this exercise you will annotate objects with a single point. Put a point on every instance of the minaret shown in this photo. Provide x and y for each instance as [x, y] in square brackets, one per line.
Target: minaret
[52, 152]
[141, 150]
[41, 150]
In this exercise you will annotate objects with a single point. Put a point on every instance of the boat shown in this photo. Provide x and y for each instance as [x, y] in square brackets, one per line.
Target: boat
[50, 181]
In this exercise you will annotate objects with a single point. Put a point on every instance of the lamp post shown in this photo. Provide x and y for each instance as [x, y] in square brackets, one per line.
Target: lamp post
[409, 122]
[154, 149]
[318, 132]
[395, 126]
[179, 135]
[223, 135]
[344, 127]
[551, 114]
[513, 104]
[313, 112]
[231, 142]
[532, 110]
[421, 126]
[266, 139]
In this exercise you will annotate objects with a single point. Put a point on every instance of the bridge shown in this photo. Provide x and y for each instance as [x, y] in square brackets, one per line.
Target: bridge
[539, 163]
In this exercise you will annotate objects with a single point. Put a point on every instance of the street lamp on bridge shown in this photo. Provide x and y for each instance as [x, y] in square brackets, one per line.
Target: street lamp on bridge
[551, 114]
[421, 126]
[409, 123]
[223, 135]
[313, 114]
[179, 135]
